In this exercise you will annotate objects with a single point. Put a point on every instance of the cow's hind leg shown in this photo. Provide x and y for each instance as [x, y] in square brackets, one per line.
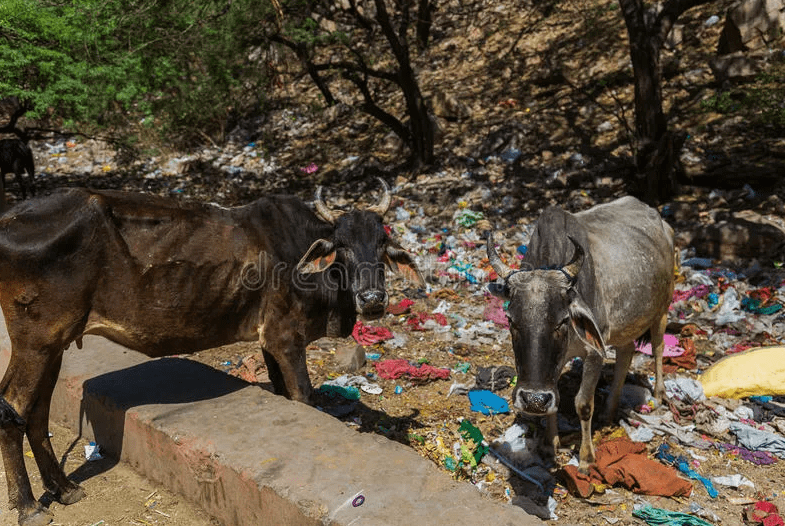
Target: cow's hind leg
[657, 348]
[54, 480]
[20, 388]
[20, 182]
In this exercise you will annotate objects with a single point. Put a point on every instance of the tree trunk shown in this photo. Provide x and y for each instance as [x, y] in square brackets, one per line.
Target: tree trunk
[654, 158]
[422, 148]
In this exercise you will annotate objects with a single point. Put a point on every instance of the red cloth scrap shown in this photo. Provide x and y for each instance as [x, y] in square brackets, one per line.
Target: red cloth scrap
[368, 335]
[622, 461]
[763, 512]
[418, 318]
[402, 307]
[687, 360]
[395, 368]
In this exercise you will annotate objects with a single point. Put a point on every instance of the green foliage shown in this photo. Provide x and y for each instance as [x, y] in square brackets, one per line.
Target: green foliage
[181, 64]
[761, 101]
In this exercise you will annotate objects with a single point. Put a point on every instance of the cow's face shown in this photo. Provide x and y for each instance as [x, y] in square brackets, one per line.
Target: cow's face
[547, 316]
[361, 248]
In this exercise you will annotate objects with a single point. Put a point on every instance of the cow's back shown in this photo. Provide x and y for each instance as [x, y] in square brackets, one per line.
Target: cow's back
[633, 257]
[42, 229]
[627, 274]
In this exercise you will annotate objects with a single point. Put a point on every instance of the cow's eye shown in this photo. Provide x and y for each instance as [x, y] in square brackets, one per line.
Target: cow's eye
[562, 324]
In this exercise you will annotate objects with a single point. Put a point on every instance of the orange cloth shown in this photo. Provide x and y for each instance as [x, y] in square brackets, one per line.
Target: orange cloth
[622, 461]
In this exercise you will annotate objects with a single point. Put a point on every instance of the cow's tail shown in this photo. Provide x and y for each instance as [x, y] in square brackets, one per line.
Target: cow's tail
[9, 416]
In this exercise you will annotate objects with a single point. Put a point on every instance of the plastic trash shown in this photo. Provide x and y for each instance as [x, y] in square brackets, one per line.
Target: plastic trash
[488, 403]
[92, 452]
[369, 335]
[685, 389]
[734, 481]
[729, 310]
[334, 391]
[763, 512]
[683, 465]
[758, 440]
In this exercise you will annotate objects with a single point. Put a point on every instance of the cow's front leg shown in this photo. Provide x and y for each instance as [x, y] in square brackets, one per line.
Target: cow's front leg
[282, 335]
[584, 405]
[287, 368]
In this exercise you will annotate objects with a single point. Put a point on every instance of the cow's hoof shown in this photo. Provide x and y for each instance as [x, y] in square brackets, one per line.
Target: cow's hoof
[37, 516]
[72, 495]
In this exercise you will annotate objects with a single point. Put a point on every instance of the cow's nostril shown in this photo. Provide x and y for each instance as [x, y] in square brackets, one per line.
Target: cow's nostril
[535, 402]
[371, 297]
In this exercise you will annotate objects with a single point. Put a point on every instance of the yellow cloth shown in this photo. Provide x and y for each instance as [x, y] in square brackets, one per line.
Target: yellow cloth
[757, 372]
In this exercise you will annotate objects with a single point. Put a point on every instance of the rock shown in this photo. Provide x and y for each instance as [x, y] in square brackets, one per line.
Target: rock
[734, 66]
[734, 240]
[350, 357]
[751, 25]
[675, 37]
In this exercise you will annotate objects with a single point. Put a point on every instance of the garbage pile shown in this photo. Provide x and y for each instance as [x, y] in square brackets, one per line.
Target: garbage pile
[709, 454]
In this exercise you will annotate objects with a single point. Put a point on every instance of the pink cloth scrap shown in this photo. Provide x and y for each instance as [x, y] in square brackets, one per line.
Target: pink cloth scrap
[671, 347]
[395, 368]
[368, 335]
[695, 292]
[494, 311]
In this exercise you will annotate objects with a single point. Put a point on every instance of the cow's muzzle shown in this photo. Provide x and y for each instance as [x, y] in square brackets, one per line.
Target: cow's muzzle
[371, 303]
[535, 402]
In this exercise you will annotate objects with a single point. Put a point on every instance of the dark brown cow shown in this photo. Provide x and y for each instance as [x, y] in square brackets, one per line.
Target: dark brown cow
[16, 157]
[164, 277]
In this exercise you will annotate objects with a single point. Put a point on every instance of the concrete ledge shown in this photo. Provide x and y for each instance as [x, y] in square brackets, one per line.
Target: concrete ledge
[247, 456]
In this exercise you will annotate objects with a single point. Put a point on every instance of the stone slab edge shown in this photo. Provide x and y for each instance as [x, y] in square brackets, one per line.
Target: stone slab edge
[247, 456]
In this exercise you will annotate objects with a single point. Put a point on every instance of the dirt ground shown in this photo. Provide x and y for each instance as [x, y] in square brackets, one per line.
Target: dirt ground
[116, 494]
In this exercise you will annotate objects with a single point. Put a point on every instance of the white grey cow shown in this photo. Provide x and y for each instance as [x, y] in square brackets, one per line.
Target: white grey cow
[601, 277]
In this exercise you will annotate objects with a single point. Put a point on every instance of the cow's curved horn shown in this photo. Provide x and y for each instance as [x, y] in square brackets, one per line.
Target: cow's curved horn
[321, 208]
[572, 268]
[384, 204]
[496, 262]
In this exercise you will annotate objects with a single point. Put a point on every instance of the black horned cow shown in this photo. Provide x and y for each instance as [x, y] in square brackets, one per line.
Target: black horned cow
[598, 278]
[165, 277]
[16, 157]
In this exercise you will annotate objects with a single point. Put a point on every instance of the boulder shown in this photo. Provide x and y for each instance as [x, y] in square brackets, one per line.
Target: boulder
[735, 66]
[752, 25]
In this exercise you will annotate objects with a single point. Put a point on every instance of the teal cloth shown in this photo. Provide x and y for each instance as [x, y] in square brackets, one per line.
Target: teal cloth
[657, 516]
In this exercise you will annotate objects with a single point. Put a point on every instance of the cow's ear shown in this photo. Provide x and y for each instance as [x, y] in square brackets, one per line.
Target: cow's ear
[499, 289]
[400, 261]
[585, 326]
[318, 258]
